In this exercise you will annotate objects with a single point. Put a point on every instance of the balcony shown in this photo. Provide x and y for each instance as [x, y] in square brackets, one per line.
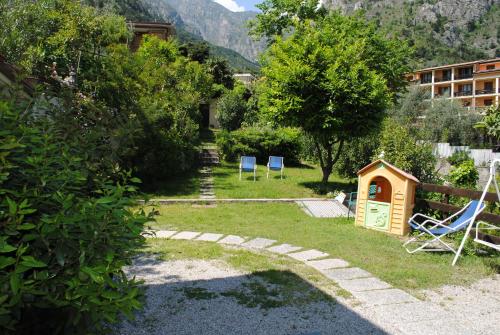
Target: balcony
[463, 76]
[438, 80]
[463, 93]
[488, 91]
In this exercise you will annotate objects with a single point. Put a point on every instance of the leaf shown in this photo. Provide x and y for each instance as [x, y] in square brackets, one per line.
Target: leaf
[15, 283]
[93, 274]
[32, 262]
[105, 200]
[5, 247]
[26, 226]
[6, 261]
[12, 206]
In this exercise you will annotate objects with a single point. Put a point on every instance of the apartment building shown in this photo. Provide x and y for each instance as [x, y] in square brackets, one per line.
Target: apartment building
[161, 30]
[474, 84]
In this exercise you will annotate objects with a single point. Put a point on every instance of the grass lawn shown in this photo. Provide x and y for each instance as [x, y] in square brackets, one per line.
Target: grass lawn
[183, 187]
[381, 254]
[298, 182]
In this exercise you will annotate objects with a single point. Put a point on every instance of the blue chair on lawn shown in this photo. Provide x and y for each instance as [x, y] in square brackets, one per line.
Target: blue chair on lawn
[248, 164]
[433, 231]
[275, 164]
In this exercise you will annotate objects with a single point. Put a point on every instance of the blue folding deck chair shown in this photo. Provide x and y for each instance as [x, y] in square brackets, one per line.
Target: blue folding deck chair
[248, 164]
[438, 229]
[275, 164]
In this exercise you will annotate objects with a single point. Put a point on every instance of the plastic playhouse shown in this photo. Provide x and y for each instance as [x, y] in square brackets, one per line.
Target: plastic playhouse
[386, 197]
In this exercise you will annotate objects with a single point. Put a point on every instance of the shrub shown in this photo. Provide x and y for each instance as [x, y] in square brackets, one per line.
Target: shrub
[231, 108]
[458, 157]
[262, 143]
[464, 175]
[65, 234]
[398, 147]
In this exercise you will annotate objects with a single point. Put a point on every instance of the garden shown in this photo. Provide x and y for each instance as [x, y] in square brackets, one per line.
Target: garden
[109, 135]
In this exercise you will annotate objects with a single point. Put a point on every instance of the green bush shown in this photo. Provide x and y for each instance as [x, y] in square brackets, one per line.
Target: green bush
[464, 175]
[232, 107]
[262, 143]
[65, 233]
[458, 157]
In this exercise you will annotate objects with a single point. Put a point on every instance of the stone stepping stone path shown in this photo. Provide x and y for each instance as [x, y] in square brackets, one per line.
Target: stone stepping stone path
[258, 243]
[378, 300]
[308, 255]
[206, 184]
[323, 208]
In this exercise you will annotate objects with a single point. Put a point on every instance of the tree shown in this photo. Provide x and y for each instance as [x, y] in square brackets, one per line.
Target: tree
[221, 72]
[333, 78]
[232, 107]
[278, 16]
[491, 122]
[400, 148]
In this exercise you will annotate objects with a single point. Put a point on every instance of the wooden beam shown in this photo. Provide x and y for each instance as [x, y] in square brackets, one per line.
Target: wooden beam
[446, 208]
[459, 192]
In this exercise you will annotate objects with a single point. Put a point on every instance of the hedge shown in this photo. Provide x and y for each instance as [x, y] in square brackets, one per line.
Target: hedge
[261, 143]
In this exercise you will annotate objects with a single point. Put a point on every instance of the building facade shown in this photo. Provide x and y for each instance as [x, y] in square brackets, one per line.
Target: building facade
[474, 84]
[161, 30]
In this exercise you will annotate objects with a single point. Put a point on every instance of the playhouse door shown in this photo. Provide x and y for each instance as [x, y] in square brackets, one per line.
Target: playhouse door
[377, 215]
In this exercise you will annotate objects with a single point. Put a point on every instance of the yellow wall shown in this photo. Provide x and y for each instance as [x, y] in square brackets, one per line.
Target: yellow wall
[402, 199]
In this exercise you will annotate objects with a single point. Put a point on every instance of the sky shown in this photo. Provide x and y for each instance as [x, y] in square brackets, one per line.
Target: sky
[239, 5]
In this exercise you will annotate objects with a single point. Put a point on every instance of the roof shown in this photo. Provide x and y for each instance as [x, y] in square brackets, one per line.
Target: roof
[152, 25]
[390, 166]
[13, 74]
[460, 64]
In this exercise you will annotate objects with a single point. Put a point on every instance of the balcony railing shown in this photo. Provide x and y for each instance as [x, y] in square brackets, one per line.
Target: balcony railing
[425, 81]
[463, 93]
[438, 80]
[490, 91]
[463, 76]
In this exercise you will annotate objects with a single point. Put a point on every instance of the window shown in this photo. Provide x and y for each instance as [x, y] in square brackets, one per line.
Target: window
[465, 72]
[490, 67]
[465, 89]
[488, 86]
[488, 102]
[426, 77]
[446, 75]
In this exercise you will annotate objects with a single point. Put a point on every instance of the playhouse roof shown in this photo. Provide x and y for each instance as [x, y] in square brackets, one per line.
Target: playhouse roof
[390, 166]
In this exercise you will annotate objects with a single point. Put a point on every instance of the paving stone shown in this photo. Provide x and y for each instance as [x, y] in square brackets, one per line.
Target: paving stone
[346, 274]
[283, 248]
[330, 263]
[164, 233]
[185, 235]
[232, 239]
[408, 312]
[435, 327]
[258, 243]
[308, 255]
[363, 284]
[384, 297]
[209, 237]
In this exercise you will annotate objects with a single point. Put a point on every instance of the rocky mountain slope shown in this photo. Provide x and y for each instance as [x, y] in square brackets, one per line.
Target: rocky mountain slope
[442, 31]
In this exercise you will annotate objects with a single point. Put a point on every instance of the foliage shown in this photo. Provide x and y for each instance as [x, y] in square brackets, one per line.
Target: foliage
[399, 148]
[196, 51]
[260, 142]
[491, 122]
[333, 78]
[357, 155]
[221, 72]
[232, 107]
[458, 157]
[448, 121]
[65, 234]
[464, 175]
[278, 16]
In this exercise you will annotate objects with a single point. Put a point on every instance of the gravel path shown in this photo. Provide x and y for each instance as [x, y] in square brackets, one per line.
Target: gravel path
[195, 297]
[171, 310]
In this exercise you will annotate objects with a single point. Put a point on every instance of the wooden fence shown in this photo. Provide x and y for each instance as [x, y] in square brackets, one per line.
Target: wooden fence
[445, 207]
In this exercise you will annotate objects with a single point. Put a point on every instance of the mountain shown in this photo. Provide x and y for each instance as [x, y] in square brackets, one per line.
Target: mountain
[162, 11]
[441, 31]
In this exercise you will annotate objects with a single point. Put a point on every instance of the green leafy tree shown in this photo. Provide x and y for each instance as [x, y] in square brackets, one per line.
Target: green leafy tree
[491, 122]
[232, 107]
[333, 78]
[464, 175]
[278, 16]
[400, 148]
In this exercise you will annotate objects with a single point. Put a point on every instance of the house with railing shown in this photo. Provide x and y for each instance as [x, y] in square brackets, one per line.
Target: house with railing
[474, 84]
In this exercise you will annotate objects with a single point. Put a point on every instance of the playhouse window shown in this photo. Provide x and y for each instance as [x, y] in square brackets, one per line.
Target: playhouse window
[380, 190]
